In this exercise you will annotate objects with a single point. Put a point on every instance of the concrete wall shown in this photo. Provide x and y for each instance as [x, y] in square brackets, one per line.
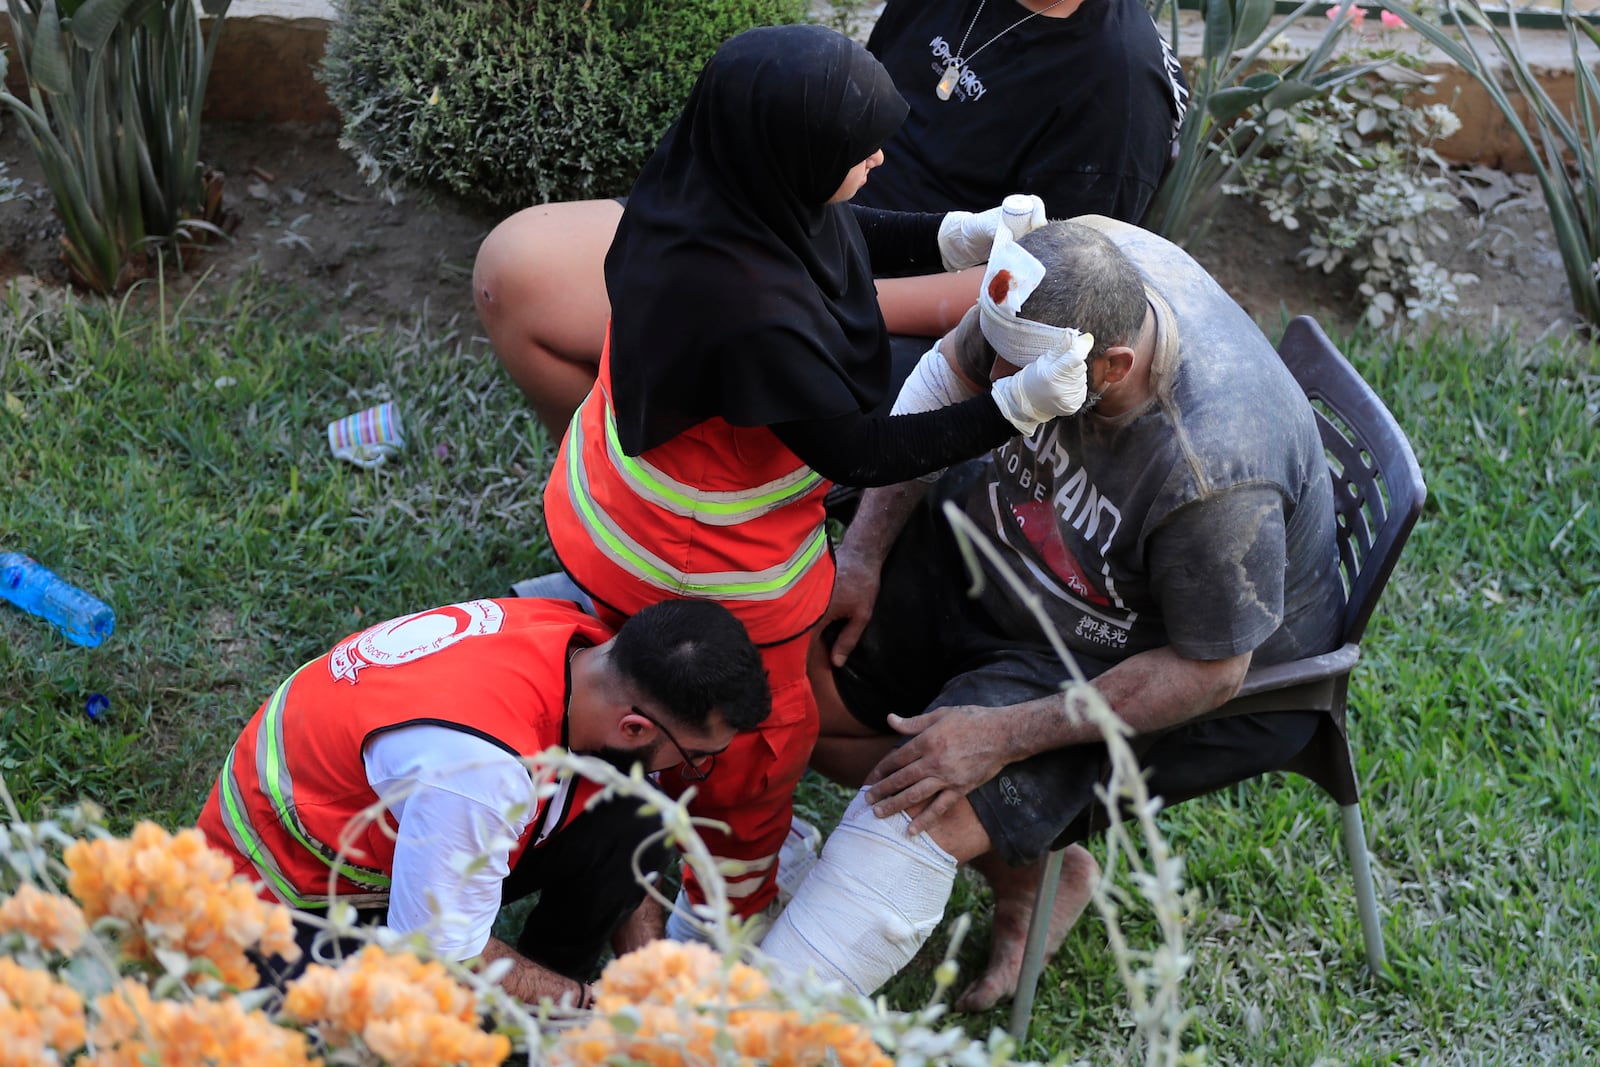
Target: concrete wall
[265, 65]
[1485, 135]
[269, 52]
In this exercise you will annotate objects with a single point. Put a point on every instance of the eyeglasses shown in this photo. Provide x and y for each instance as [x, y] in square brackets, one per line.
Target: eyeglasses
[695, 768]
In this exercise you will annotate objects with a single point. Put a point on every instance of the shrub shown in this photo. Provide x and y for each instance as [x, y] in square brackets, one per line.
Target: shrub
[509, 103]
[1240, 77]
[1356, 172]
[1562, 141]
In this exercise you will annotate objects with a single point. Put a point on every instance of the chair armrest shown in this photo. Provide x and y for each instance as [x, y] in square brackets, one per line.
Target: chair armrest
[1295, 672]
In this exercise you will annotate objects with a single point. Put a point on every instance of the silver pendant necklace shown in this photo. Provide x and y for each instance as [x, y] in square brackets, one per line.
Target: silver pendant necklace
[952, 70]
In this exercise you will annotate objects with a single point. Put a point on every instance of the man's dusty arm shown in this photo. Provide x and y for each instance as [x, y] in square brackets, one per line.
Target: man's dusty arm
[954, 750]
[883, 512]
[529, 982]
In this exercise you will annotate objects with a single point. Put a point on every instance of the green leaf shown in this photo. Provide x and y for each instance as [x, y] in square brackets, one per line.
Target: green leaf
[1289, 93]
[50, 69]
[92, 26]
[1228, 104]
[1252, 17]
[1219, 30]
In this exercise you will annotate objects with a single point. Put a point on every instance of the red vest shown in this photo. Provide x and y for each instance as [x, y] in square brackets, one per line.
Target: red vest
[289, 803]
[720, 512]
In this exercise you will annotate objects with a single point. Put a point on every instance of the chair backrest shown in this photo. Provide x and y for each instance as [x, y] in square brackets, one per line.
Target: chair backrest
[1378, 489]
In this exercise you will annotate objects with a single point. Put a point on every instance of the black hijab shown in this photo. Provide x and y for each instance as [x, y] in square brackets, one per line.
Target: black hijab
[736, 289]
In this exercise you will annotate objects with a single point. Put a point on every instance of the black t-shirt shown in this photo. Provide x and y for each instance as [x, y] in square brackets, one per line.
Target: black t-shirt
[1080, 111]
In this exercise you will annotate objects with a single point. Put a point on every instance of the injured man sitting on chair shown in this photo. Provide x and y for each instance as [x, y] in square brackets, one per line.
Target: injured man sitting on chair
[1178, 529]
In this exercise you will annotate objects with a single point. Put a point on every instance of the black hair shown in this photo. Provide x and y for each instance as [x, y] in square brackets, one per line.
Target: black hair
[695, 658]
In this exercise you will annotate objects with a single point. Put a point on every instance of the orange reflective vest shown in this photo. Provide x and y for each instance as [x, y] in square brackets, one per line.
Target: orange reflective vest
[720, 512]
[292, 805]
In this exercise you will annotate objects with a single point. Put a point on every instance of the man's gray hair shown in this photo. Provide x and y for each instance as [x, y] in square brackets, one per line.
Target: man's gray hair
[1089, 284]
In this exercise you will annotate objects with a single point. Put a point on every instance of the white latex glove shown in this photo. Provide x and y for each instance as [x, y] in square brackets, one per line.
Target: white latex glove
[965, 237]
[1053, 385]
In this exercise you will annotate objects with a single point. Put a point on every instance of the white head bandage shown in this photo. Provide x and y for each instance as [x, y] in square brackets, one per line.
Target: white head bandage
[1012, 277]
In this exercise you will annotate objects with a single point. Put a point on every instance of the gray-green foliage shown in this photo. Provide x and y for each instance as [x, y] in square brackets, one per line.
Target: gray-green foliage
[508, 103]
[1235, 84]
[1562, 141]
[113, 113]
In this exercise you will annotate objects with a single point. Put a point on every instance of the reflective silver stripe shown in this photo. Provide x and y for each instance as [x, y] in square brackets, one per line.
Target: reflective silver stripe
[272, 774]
[745, 878]
[703, 505]
[769, 584]
[236, 817]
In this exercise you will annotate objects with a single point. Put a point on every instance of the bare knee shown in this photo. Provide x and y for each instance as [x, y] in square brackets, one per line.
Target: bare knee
[541, 273]
[959, 832]
[510, 264]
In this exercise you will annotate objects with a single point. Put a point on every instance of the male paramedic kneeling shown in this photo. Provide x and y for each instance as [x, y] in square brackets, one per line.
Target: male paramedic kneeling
[390, 773]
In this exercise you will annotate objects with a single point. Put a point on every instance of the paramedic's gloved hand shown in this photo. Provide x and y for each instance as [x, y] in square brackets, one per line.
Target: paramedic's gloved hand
[1053, 385]
[965, 237]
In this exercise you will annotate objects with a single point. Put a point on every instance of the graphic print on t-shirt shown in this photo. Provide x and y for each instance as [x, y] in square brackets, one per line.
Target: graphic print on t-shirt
[968, 85]
[1036, 520]
[1057, 519]
[410, 637]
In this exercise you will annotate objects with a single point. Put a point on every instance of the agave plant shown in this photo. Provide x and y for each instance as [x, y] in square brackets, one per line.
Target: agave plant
[1564, 148]
[113, 113]
[1233, 92]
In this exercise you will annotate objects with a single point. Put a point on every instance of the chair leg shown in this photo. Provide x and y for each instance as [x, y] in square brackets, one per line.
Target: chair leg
[1033, 951]
[1355, 846]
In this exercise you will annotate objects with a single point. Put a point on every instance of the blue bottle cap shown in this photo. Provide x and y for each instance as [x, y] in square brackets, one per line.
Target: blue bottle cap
[96, 705]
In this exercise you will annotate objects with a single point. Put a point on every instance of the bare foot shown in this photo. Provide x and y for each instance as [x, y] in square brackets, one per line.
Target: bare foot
[1015, 890]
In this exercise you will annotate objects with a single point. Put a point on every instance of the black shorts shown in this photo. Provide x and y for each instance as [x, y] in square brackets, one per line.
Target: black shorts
[930, 646]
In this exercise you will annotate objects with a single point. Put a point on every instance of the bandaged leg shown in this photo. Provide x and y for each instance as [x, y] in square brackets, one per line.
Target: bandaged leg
[795, 860]
[873, 898]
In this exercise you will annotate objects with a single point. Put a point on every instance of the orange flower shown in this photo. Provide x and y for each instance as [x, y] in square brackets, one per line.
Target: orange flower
[406, 1010]
[37, 1014]
[55, 922]
[682, 1001]
[176, 891]
[664, 971]
[425, 1040]
[133, 1030]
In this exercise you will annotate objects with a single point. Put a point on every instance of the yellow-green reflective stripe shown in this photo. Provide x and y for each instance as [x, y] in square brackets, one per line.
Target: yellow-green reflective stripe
[274, 776]
[247, 841]
[634, 558]
[713, 509]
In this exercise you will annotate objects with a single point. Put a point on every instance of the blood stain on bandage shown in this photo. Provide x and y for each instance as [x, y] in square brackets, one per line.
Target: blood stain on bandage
[1000, 286]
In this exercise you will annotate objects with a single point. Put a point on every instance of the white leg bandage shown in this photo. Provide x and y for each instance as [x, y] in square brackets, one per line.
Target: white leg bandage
[868, 905]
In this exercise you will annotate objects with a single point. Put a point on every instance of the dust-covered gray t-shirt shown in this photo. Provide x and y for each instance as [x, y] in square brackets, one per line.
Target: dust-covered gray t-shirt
[1202, 520]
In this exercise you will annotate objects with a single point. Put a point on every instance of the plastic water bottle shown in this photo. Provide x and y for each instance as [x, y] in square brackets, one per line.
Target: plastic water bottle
[33, 587]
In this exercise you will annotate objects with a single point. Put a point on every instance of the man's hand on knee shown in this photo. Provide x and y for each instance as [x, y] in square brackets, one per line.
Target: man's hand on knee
[950, 753]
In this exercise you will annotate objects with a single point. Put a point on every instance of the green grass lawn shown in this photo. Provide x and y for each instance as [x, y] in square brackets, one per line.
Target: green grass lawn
[176, 465]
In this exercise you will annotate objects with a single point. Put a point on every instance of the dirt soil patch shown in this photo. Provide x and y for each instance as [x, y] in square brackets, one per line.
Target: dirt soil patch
[304, 216]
